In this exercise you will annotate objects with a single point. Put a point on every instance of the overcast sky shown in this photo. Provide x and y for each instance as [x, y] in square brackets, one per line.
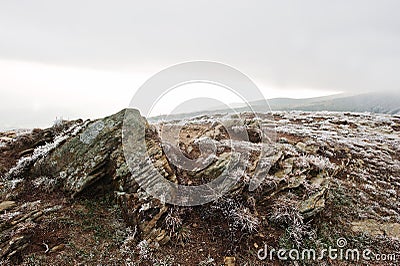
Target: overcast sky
[86, 58]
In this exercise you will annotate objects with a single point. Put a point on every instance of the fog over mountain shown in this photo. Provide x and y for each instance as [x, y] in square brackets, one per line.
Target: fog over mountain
[86, 59]
[380, 103]
[386, 103]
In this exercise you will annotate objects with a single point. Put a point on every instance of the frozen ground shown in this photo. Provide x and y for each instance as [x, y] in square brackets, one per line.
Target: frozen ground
[67, 197]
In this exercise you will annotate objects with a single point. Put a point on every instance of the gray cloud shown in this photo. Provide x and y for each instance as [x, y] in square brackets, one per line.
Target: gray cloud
[351, 46]
[326, 44]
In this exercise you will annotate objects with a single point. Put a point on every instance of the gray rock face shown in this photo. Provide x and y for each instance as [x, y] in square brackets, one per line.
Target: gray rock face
[91, 159]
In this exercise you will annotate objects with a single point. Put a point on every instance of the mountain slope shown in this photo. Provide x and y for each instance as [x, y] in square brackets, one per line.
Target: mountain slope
[384, 103]
[374, 103]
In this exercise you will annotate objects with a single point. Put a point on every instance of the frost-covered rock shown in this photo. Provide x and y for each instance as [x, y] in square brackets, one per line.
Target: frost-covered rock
[324, 164]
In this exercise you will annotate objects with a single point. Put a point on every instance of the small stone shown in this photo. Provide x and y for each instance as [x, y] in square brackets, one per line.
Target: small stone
[229, 261]
[165, 240]
[6, 205]
[312, 149]
[301, 146]
[314, 204]
[160, 236]
[288, 166]
[375, 228]
[283, 140]
[57, 248]
[189, 149]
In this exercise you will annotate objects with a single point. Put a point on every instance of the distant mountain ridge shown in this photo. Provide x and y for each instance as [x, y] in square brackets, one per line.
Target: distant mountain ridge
[372, 102]
[385, 103]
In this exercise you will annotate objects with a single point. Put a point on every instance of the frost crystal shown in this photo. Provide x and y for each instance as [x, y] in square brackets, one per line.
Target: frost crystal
[41, 151]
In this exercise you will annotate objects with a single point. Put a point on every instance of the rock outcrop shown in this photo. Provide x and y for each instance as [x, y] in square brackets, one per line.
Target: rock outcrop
[313, 166]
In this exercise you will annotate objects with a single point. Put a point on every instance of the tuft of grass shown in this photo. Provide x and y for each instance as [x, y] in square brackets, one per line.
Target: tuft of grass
[285, 214]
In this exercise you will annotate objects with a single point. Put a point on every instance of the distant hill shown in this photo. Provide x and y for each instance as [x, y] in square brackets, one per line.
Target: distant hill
[373, 102]
[385, 103]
